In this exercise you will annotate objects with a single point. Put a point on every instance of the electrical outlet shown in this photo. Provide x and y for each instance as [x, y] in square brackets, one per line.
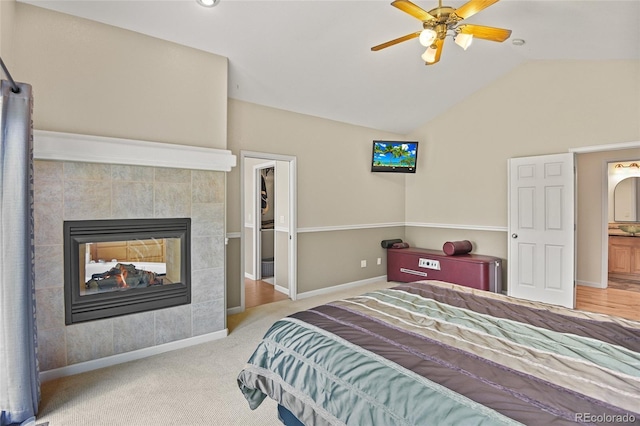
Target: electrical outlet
[429, 264]
[363, 263]
[379, 261]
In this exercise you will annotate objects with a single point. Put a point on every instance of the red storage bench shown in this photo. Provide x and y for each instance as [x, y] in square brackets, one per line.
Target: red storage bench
[470, 270]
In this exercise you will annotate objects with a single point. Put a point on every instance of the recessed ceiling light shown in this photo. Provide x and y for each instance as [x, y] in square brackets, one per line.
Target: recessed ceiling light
[208, 3]
[518, 42]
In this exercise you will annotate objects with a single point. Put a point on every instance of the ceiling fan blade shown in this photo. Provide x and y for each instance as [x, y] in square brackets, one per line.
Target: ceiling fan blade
[472, 7]
[396, 41]
[439, 43]
[413, 10]
[485, 33]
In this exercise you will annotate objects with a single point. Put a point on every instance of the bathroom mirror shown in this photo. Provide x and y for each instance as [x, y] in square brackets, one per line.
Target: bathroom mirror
[626, 200]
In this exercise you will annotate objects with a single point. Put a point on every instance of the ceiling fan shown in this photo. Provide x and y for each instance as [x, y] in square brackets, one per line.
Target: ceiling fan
[442, 21]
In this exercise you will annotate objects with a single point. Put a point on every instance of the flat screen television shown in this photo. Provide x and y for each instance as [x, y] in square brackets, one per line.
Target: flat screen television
[394, 156]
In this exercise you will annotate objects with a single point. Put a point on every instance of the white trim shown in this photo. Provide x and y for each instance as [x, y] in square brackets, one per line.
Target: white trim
[588, 284]
[281, 289]
[109, 361]
[235, 310]
[98, 149]
[292, 249]
[389, 225]
[350, 227]
[339, 287]
[321, 291]
[458, 226]
[606, 147]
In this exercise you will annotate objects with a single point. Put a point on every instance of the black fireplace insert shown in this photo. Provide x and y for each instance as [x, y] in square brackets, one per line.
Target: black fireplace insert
[123, 266]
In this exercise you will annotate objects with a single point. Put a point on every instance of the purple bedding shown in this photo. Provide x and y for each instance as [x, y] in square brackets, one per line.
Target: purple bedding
[437, 353]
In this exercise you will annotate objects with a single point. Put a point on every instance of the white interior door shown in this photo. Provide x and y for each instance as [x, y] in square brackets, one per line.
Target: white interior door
[542, 229]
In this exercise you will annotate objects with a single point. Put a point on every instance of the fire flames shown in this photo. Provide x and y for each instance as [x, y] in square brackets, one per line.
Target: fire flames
[116, 278]
[122, 277]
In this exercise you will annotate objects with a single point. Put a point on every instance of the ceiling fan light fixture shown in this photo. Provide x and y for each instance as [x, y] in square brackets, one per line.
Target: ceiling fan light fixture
[429, 56]
[208, 3]
[464, 40]
[427, 37]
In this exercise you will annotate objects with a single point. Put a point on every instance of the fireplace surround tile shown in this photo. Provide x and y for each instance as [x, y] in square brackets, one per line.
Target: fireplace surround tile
[48, 220]
[89, 341]
[173, 324]
[132, 332]
[132, 200]
[208, 187]
[207, 285]
[207, 219]
[49, 266]
[208, 317]
[128, 173]
[87, 199]
[169, 175]
[55, 354]
[207, 252]
[49, 308]
[86, 172]
[180, 192]
[172, 200]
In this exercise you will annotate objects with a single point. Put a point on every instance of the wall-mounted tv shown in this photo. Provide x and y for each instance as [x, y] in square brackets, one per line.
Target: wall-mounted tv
[394, 156]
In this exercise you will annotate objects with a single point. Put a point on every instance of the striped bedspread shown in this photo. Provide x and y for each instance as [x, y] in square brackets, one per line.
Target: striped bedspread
[433, 353]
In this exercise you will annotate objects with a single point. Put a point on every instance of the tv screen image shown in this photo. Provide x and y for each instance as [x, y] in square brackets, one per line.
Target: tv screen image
[394, 156]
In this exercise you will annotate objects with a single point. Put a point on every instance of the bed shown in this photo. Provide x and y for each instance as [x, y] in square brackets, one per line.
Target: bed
[435, 353]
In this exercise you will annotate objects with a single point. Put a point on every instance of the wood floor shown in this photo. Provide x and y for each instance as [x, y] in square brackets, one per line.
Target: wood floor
[260, 292]
[621, 298]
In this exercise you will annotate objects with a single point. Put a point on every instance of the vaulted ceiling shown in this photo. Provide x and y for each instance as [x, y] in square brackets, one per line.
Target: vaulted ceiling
[314, 57]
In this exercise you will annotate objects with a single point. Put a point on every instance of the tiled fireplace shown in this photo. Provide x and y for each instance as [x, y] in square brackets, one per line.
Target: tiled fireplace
[90, 191]
[118, 267]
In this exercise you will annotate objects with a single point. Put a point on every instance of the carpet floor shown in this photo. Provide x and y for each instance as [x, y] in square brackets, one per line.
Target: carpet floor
[191, 386]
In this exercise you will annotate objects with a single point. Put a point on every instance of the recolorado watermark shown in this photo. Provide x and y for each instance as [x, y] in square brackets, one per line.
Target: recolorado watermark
[605, 418]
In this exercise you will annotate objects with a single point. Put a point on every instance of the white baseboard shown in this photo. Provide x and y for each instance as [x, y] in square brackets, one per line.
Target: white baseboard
[339, 287]
[234, 310]
[249, 276]
[281, 289]
[328, 290]
[83, 367]
[589, 284]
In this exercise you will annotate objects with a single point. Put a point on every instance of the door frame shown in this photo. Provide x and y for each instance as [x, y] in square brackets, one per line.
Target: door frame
[293, 213]
[606, 201]
[604, 268]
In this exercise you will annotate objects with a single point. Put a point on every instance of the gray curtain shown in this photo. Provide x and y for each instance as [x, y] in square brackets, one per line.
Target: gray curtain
[19, 383]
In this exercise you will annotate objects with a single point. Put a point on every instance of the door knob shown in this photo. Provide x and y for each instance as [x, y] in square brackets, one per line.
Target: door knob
[514, 235]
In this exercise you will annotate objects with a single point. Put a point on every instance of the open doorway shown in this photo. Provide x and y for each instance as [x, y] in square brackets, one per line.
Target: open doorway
[268, 240]
[623, 224]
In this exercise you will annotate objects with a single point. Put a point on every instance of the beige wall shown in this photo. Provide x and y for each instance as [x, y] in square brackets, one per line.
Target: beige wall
[7, 11]
[94, 79]
[541, 107]
[335, 188]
